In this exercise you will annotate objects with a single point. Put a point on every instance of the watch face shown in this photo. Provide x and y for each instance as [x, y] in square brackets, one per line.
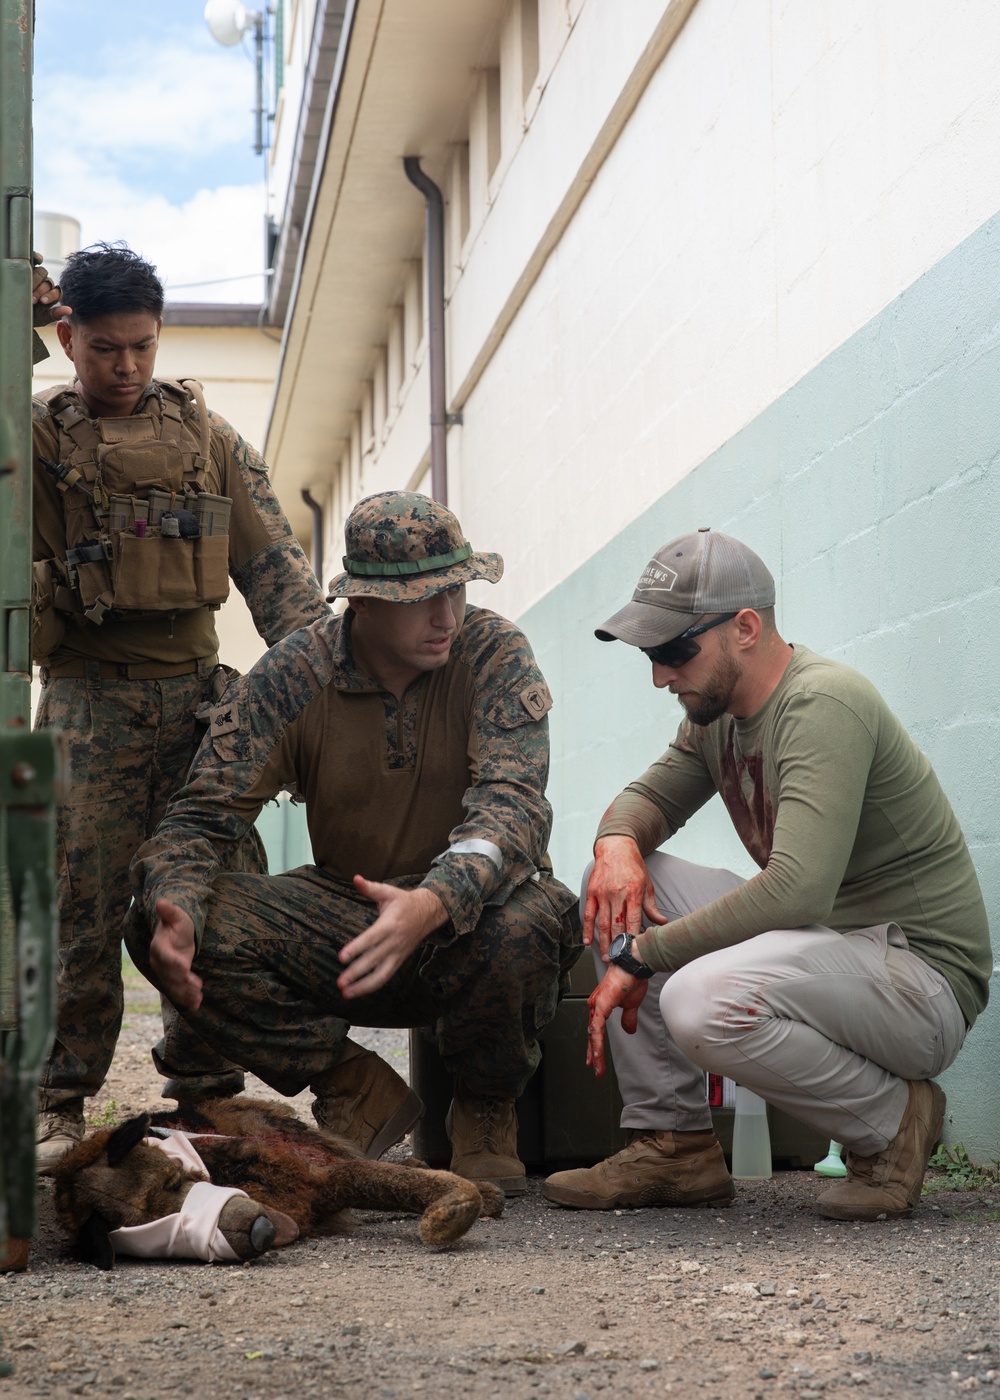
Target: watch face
[619, 944]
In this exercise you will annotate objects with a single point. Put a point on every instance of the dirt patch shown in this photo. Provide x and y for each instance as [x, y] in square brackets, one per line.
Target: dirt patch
[752, 1301]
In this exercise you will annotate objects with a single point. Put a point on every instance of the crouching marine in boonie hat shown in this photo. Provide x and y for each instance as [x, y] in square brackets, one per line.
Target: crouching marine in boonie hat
[404, 547]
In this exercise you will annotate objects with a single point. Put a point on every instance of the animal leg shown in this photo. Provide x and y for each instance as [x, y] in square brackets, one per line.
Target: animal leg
[448, 1204]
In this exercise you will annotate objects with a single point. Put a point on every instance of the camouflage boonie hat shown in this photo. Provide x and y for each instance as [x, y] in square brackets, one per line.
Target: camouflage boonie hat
[404, 547]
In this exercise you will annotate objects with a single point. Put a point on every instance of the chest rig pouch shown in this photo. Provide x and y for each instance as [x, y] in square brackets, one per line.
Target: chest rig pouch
[144, 534]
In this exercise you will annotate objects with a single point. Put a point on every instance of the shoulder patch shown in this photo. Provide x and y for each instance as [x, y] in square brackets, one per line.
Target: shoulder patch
[536, 699]
[224, 719]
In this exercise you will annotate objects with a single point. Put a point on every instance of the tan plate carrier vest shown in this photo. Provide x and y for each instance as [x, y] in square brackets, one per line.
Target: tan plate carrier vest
[122, 480]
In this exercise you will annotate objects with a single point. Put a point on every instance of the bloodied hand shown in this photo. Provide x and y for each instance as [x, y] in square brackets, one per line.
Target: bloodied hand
[616, 989]
[620, 896]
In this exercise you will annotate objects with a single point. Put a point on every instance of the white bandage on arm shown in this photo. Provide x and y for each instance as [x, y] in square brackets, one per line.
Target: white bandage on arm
[473, 847]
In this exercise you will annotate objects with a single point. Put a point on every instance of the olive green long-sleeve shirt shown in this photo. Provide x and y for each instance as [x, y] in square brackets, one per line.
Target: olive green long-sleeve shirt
[841, 811]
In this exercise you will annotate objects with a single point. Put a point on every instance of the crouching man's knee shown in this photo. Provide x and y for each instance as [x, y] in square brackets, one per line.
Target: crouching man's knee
[690, 1013]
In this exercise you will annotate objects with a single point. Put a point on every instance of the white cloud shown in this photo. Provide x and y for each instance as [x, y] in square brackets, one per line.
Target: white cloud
[132, 146]
[216, 233]
[164, 99]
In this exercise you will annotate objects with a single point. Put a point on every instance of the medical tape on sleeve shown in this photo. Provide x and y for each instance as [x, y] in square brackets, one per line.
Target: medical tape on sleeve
[473, 847]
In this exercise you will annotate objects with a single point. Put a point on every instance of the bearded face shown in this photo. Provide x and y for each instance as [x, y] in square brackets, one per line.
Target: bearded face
[714, 696]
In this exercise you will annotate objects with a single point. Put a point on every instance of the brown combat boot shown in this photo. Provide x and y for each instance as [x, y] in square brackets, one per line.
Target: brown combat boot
[888, 1184]
[483, 1133]
[59, 1128]
[655, 1169]
[362, 1099]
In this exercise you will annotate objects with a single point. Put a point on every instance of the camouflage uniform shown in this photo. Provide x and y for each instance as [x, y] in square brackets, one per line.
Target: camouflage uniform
[125, 695]
[444, 789]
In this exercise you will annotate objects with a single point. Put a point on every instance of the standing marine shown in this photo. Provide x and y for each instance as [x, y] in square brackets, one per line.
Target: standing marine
[146, 505]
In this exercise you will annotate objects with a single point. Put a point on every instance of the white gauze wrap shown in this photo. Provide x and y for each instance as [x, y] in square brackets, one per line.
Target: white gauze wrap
[193, 1231]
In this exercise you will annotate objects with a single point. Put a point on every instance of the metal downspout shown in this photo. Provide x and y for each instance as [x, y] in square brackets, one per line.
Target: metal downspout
[317, 514]
[435, 324]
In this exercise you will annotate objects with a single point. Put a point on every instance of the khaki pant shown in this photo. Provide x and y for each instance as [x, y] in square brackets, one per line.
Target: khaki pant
[826, 1026]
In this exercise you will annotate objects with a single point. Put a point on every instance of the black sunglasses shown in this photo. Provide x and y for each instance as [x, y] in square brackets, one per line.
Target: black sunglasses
[680, 650]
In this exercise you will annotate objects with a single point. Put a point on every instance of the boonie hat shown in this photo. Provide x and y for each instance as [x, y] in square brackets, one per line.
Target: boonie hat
[404, 547]
[706, 572]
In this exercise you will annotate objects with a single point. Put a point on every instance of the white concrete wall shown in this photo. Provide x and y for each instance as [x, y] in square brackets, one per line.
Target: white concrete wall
[788, 170]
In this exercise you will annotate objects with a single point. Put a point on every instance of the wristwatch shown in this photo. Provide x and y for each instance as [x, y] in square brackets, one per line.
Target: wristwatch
[620, 953]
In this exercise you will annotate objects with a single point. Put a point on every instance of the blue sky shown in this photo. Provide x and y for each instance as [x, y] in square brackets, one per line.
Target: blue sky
[143, 130]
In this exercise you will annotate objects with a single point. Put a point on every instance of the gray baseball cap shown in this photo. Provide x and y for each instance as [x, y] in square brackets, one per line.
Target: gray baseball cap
[690, 577]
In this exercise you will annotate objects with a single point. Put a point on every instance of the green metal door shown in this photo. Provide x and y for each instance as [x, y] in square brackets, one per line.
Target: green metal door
[27, 761]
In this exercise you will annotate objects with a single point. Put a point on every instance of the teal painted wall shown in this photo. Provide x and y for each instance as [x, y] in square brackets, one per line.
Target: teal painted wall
[283, 830]
[870, 489]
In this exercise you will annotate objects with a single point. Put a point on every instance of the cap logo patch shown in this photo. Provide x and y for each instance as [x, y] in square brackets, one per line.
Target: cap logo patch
[656, 578]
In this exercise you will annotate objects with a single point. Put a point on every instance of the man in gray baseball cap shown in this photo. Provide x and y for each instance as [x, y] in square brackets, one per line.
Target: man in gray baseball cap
[839, 979]
[688, 578]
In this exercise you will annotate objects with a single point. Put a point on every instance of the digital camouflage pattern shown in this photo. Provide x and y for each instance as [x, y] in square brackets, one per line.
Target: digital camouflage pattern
[245, 761]
[129, 746]
[268, 958]
[277, 579]
[131, 742]
[505, 910]
[403, 547]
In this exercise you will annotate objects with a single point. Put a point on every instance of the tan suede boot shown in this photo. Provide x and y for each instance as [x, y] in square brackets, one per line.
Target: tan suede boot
[483, 1133]
[888, 1184]
[59, 1129]
[362, 1099]
[655, 1169]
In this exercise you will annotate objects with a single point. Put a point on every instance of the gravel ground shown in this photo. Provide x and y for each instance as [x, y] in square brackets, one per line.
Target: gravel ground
[761, 1299]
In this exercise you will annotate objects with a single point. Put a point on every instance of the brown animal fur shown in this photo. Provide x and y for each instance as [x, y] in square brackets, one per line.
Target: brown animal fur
[112, 1179]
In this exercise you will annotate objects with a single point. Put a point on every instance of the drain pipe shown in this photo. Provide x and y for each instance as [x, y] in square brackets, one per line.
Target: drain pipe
[435, 324]
[317, 514]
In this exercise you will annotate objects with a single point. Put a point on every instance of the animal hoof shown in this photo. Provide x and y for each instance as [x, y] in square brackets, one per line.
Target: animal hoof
[493, 1199]
[285, 1228]
[262, 1234]
[450, 1216]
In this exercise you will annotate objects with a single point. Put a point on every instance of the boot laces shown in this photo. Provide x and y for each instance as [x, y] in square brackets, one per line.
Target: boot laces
[636, 1148]
[60, 1123]
[865, 1169]
[488, 1122]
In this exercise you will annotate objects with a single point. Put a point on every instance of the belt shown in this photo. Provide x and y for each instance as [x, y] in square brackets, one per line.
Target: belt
[128, 671]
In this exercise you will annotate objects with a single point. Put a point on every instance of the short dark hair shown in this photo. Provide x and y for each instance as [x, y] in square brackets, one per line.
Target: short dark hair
[109, 277]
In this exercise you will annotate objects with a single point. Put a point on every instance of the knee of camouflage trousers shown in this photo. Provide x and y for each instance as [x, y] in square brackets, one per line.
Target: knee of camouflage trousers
[500, 986]
[268, 959]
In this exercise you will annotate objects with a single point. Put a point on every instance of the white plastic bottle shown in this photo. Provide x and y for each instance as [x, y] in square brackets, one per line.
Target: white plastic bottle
[751, 1138]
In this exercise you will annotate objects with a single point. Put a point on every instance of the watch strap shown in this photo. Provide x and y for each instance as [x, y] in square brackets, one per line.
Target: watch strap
[627, 962]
